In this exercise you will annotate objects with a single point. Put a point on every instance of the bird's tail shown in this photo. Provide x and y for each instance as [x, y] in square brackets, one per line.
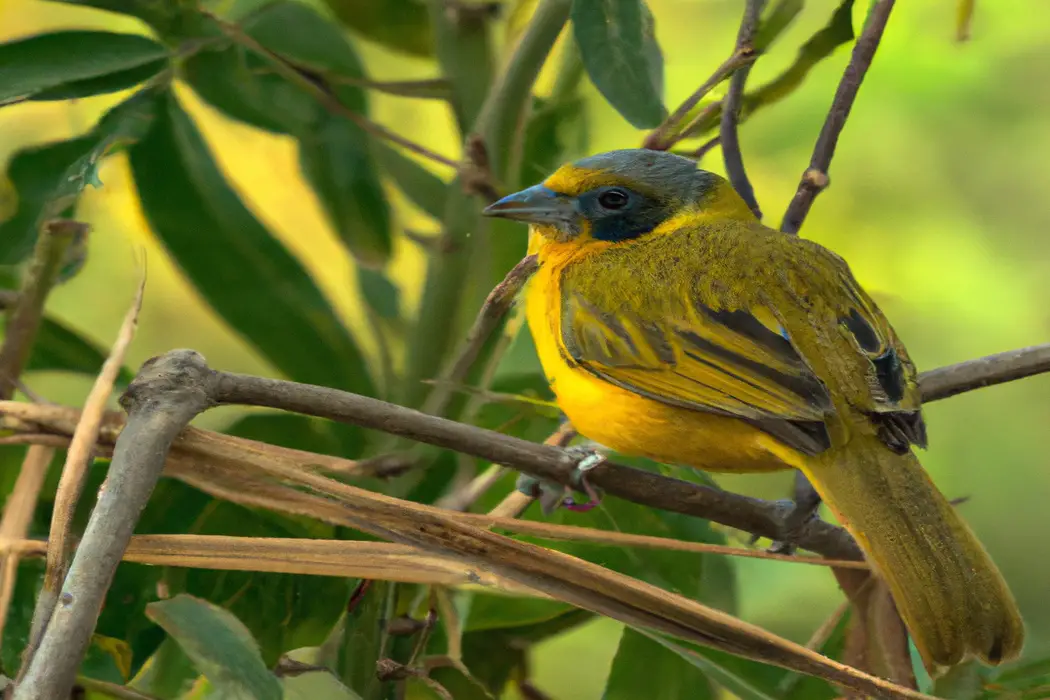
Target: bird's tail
[950, 594]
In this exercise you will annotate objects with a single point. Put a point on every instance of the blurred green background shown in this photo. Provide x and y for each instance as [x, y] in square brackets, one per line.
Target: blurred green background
[939, 201]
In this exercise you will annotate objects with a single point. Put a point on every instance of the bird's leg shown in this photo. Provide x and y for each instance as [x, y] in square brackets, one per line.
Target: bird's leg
[552, 495]
[803, 509]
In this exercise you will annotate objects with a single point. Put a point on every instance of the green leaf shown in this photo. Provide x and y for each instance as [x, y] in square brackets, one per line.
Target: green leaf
[246, 275]
[425, 189]
[1026, 677]
[337, 162]
[556, 134]
[281, 611]
[739, 685]
[316, 685]
[59, 348]
[494, 611]
[381, 294]
[159, 15]
[401, 25]
[334, 152]
[619, 51]
[643, 668]
[48, 179]
[219, 645]
[167, 673]
[76, 64]
[775, 21]
[364, 637]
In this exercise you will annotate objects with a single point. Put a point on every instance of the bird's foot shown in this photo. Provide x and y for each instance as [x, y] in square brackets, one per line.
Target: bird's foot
[552, 495]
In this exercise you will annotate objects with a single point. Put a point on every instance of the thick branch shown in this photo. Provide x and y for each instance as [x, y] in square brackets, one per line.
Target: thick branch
[815, 179]
[731, 155]
[160, 403]
[173, 388]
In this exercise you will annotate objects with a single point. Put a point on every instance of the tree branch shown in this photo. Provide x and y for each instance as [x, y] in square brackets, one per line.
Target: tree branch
[160, 402]
[815, 178]
[1003, 367]
[663, 136]
[731, 155]
[173, 388]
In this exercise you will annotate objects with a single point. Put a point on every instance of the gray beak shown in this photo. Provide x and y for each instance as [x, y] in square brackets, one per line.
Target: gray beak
[536, 205]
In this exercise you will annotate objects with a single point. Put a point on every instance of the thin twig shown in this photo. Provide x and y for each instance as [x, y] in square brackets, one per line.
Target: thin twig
[74, 472]
[496, 306]
[728, 132]
[664, 136]
[18, 515]
[325, 96]
[28, 311]
[815, 178]
[1003, 367]
[173, 388]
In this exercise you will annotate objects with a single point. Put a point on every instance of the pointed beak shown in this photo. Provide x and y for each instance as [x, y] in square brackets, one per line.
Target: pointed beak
[536, 205]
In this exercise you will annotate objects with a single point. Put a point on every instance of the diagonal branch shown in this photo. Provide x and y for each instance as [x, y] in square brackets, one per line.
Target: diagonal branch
[728, 133]
[172, 389]
[815, 178]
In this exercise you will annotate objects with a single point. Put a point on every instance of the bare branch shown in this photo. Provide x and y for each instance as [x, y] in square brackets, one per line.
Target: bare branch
[734, 159]
[74, 474]
[664, 136]
[1004, 367]
[815, 178]
[160, 403]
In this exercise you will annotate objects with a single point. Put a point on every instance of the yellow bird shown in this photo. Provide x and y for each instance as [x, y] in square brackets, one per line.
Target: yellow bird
[672, 324]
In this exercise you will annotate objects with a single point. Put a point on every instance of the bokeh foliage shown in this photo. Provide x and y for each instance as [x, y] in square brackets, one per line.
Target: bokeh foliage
[169, 73]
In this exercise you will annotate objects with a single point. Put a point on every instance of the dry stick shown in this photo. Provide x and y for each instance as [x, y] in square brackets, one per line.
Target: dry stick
[18, 515]
[733, 158]
[815, 178]
[157, 409]
[74, 473]
[172, 389]
[661, 138]
[161, 401]
[321, 93]
[27, 311]
[236, 480]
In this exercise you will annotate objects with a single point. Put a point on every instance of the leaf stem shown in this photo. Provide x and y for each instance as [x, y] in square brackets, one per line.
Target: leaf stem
[815, 178]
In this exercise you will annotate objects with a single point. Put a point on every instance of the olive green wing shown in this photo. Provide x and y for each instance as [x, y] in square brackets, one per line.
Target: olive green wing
[665, 344]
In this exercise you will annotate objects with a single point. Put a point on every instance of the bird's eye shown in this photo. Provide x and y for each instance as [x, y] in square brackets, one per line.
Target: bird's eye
[613, 199]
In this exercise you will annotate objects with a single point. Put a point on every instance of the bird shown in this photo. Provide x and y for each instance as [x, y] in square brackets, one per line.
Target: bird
[672, 324]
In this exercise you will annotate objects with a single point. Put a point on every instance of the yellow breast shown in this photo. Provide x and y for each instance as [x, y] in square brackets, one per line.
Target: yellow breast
[628, 422]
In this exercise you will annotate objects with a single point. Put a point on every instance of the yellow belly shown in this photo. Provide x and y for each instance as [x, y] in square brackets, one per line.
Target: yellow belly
[633, 424]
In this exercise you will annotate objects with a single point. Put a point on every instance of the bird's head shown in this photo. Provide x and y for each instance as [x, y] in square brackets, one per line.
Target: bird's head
[620, 196]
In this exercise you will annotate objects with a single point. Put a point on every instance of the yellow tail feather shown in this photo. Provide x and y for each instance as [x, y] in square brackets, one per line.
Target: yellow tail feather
[950, 594]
